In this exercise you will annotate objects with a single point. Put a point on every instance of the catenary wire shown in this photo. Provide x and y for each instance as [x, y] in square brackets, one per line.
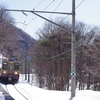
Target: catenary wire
[75, 8]
[48, 5]
[56, 7]
[62, 53]
[42, 10]
[38, 4]
[54, 11]
[68, 15]
[29, 13]
[51, 14]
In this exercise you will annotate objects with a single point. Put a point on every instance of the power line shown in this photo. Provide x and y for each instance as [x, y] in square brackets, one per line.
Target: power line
[42, 10]
[54, 10]
[29, 13]
[75, 8]
[63, 53]
[46, 8]
[38, 4]
[58, 5]
[79, 4]
[48, 5]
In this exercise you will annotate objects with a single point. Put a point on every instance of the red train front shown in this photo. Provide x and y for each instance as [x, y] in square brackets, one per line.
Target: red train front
[10, 70]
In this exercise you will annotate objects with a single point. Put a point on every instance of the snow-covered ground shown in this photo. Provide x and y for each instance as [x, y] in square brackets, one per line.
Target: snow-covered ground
[32, 92]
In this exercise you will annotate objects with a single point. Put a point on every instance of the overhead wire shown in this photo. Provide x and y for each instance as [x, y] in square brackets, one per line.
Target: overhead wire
[48, 5]
[79, 4]
[63, 53]
[56, 7]
[46, 8]
[36, 16]
[59, 5]
[29, 13]
[54, 10]
[38, 4]
[75, 8]
[42, 10]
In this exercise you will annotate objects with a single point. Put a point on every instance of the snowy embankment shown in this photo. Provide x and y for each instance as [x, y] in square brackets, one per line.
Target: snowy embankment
[35, 93]
[32, 92]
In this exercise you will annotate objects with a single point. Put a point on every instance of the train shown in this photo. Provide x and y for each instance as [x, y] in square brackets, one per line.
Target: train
[10, 70]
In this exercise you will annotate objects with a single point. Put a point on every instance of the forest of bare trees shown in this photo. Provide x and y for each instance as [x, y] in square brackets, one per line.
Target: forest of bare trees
[52, 56]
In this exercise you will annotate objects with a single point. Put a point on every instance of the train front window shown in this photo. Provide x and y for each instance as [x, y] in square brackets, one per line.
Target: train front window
[10, 65]
[5, 65]
[11, 59]
[16, 66]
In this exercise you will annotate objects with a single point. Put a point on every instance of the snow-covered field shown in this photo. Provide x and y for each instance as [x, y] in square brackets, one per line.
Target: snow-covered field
[32, 92]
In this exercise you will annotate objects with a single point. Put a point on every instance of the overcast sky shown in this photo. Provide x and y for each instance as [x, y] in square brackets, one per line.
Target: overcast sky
[86, 11]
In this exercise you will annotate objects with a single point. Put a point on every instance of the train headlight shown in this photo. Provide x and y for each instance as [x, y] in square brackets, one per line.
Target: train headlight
[16, 72]
[4, 72]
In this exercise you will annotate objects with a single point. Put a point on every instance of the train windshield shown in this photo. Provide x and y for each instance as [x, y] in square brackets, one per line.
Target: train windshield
[11, 65]
[16, 66]
[5, 65]
[11, 59]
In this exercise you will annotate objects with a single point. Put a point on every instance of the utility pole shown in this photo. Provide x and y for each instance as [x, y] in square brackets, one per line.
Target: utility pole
[73, 55]
[25, 61]
[29, 68]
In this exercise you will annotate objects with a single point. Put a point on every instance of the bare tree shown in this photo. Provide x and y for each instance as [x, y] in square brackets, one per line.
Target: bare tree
[53, 41]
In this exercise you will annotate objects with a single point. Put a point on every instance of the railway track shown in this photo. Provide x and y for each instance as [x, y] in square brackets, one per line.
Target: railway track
[26, 93]
[15, 92]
